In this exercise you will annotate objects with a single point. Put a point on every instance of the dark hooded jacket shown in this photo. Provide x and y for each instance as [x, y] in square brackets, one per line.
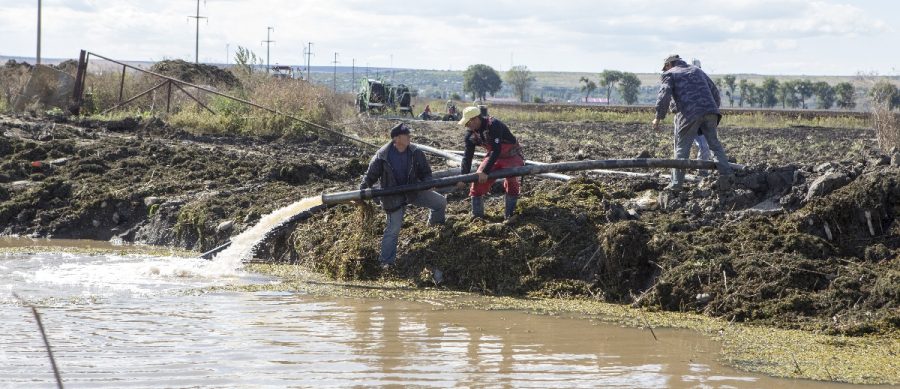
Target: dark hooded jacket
[380, 171]
[695, 94]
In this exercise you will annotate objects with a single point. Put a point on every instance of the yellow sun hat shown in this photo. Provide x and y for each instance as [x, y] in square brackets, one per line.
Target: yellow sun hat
[468, 114]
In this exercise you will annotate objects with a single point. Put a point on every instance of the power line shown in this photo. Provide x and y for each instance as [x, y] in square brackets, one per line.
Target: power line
[268, 42]
[197, 39]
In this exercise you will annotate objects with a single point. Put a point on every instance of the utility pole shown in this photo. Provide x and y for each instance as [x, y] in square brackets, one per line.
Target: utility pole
[197, 39]
[268, 42]
[334, 81]
[392, 67]
[308, 55]
[353, 78]
[38, 59]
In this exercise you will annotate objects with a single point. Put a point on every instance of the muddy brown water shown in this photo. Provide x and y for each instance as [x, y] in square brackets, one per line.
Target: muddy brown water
[139, 321]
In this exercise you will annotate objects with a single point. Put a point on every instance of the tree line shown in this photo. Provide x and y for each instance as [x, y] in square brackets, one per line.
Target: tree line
[482, 80]
[772, 93]
[628, 85]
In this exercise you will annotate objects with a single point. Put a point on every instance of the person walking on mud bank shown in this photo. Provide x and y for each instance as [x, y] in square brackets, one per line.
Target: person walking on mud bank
[503, 151]
[400, 163]
[703, 153]
[697, 100]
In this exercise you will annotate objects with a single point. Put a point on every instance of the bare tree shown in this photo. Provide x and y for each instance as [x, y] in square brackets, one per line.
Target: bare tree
[589, 86]
[608, 80]
[521, 79]
[728, 81]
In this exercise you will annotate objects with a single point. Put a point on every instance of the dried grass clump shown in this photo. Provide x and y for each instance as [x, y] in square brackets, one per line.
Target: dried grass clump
[13, 77]
[297, 98]
[887, 127]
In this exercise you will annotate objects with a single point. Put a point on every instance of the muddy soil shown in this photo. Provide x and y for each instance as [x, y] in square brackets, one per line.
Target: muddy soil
[142, 181]
[804, 238]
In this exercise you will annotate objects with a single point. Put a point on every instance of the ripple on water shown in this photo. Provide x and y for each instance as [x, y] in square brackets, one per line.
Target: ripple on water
[142, 333]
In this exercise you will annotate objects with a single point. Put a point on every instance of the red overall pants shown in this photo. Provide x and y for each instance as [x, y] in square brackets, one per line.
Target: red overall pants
[510, 156]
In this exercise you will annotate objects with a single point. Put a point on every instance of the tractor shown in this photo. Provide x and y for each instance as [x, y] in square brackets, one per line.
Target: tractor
[376, 97]
[403, 100]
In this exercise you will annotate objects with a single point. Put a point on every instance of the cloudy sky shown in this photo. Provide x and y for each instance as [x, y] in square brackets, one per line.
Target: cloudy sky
[830, 37]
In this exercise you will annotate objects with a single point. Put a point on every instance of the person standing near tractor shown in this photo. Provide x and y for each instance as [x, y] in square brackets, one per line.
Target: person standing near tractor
[397, 163]
[697, 101]
[503, 151]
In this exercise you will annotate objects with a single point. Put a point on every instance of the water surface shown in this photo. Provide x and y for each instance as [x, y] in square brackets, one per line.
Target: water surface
[139, 321]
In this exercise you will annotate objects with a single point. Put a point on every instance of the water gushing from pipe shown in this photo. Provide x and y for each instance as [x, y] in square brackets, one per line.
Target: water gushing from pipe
[243, 246]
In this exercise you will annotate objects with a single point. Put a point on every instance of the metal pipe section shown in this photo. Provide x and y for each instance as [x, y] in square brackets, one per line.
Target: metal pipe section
[456, 157]
[598, 171]
[344, 197]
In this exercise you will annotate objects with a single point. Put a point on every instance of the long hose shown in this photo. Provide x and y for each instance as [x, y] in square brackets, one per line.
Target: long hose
[343, 197]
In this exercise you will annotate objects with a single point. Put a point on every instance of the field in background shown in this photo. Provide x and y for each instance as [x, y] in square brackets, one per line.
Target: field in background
[749, 118]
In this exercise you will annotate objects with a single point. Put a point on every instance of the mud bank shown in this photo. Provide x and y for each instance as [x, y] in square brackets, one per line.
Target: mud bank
[139, 180]
[793, 242]
[806, 238]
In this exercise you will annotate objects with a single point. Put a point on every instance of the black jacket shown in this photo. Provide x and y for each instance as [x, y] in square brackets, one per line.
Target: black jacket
[492, 133]
[380, 171]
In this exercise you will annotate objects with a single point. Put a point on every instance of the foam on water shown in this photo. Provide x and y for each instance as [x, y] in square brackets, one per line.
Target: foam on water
[72, 275]
[243, 246]
[106, 275]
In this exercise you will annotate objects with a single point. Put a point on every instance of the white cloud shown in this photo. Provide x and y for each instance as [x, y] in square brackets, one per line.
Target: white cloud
[562, 35]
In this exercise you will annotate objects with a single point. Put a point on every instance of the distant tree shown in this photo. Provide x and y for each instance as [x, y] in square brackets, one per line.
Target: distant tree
[742, 89]
[824, 95]
[629, 87]
[720, 85]
[788, 92]
[805, 90]
[521, 79]
[769, 91]
[608, 80]
[588, 87]
[481, 79]
[844, 92]
[455, 96]
[885, 92]
[728, 82]
[750, 93]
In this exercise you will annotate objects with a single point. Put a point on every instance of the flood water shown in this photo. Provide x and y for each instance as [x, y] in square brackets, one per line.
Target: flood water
[139, 321]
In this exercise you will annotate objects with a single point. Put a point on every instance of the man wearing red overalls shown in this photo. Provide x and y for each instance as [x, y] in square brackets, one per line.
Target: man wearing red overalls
[503, 151]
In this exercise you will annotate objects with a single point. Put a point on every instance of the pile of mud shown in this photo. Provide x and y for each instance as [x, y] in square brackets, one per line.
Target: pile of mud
[757, 250]
[196, 73]
[140, 181]
[811, 246]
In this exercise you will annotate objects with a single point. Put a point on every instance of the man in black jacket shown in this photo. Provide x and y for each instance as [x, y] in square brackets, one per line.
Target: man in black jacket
[503, 152]
[401, 163]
